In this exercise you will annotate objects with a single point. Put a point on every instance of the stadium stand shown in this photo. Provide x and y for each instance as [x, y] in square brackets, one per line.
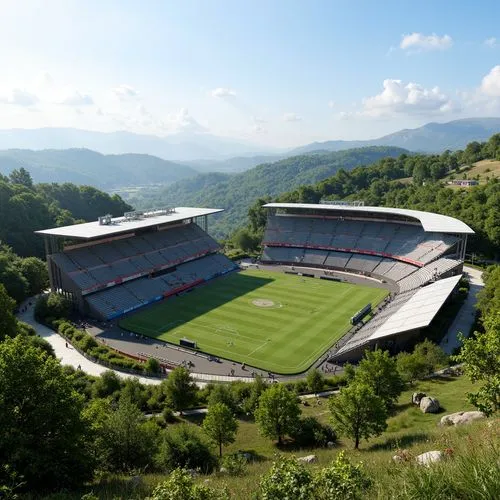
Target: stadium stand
[409, 248]
[117, 265]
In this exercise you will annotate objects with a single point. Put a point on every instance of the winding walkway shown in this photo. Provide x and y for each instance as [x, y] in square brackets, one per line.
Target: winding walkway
[465, 318]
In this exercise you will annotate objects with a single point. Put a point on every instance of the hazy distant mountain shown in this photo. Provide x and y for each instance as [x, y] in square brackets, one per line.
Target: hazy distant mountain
[82, 166]
[233, 165]
[182, 146]
[432, 137]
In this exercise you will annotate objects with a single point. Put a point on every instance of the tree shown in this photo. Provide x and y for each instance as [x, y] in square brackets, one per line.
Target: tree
[245, 240]
[315, 380]
[43, 435]
[130, 440]
[106, 385]
[223, 393]
[378, 370]
[8, 322]
[481, 357]
[287, 478]
[357, 412]
[180, 389]
[152, 366]
[424, 360]
[21, 176]
[278, 412]
[180, 486]
[35, 271]
[220, 425]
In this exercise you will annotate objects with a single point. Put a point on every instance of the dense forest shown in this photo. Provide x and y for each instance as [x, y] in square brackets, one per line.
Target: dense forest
[26, 207]
[408, 182]
[86, 167]
[235, 193]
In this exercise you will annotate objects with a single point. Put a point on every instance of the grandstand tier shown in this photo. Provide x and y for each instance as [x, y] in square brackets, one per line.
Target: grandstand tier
[412, 249]
[113, 266]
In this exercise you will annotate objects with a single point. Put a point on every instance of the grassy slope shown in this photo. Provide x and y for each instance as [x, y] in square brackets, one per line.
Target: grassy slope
[408, 429]
[308, 317]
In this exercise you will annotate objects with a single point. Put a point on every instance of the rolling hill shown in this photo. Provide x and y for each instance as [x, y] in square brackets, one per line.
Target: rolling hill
[236, 193]
[83, 166]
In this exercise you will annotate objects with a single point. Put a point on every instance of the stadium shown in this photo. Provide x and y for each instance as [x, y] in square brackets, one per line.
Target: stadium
[332, 280]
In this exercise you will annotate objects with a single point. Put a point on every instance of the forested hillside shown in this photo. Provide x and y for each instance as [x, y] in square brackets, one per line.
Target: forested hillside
[26, 207]
[380, 185]
[83, 166]
[235, 193]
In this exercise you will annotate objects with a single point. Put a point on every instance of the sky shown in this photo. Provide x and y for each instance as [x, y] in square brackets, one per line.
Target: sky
[276, 73]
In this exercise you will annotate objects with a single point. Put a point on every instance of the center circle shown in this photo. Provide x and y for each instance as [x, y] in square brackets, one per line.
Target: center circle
[263, 303]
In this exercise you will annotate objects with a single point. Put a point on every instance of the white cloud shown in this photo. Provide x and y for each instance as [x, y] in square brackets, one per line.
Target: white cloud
[19, 97]
[411, 98]
[491, 83]
[491, 42]
[419, 41]
[331, 104]
[223, 93]
[76, 98]
[291, 117]
[125, 92]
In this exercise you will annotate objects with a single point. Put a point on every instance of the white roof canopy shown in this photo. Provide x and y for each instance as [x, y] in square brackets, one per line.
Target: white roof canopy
[119, 225]
[420, 309]
[430, 222]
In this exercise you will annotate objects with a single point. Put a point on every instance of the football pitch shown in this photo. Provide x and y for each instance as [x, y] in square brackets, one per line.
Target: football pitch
[273, 321]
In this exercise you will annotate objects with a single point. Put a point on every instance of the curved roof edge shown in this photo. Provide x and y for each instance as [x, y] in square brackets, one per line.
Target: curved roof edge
[431, 222]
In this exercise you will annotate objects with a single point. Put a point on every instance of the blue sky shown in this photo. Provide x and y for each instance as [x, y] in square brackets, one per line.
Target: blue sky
[276, 73]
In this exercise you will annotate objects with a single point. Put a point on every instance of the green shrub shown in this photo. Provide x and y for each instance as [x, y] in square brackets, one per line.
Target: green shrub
[310, 433]
[287, 478]
[152, 366]
[168, 415]
[234, 464]
[341, 480]
[184, 445]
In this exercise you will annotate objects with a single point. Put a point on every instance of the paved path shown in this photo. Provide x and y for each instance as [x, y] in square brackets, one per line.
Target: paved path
[69, 355]
[465, 317]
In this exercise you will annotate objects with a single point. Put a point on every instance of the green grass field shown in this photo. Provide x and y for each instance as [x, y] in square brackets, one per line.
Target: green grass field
[303, 318]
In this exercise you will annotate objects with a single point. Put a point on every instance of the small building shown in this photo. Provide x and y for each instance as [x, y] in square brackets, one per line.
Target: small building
[464, 182]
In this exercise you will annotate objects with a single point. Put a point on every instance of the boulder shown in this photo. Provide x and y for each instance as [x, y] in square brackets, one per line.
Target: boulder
[398, 459]
[461, 417]
[223, 470]
[417, 397]
[429, 405]
[136, 481]
[430, 457]
[330, 444]
[308, 459]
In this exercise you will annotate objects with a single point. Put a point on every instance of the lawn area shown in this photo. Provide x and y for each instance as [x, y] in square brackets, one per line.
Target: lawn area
[272, 321]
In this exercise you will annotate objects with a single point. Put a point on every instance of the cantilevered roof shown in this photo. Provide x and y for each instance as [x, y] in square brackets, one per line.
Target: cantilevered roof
[430, 222]
[420, 309]
[90, 230]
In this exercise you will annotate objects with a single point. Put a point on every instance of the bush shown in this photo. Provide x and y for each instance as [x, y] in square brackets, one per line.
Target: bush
[235, 464]
[287, 478]
[341, 480]
[168, 415]
[180, 486]
[183, 445]
[311, 434]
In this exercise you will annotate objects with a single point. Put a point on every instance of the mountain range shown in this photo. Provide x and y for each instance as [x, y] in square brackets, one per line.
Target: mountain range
[430, 138]
[205, 152]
